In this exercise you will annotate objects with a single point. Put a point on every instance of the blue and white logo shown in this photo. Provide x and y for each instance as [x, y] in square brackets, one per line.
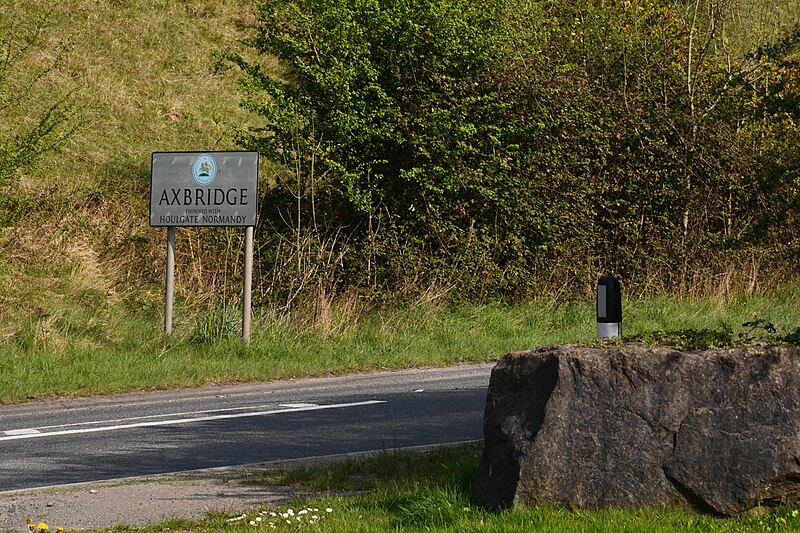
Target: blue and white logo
[204, 170]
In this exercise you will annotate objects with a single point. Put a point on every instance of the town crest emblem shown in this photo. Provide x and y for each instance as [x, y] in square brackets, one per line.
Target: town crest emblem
[204, 170]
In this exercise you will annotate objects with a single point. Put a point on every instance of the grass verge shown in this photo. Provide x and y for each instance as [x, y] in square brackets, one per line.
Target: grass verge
[100, 350]
[429, 491]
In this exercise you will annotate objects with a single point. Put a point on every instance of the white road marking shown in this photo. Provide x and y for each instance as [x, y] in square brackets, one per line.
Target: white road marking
[296, 405]
[31, 433]
[163, 415]
[22, 432]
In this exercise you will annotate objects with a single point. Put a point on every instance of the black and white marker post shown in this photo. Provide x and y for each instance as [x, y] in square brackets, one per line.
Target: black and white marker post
[609, 308]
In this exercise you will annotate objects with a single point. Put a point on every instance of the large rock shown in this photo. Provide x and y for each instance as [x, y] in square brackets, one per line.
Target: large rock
[631, 427]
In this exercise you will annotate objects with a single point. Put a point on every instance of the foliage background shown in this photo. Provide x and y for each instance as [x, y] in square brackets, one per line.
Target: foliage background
[438, 148]
[417, 151]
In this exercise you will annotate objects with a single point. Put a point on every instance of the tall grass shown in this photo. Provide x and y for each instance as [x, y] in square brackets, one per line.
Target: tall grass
[106, 348]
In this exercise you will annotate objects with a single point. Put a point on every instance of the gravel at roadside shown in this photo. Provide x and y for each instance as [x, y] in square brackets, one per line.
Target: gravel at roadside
[136, 502]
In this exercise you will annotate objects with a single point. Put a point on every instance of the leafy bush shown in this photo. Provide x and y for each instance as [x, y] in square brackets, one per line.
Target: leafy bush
[509, 149]
[387, 125]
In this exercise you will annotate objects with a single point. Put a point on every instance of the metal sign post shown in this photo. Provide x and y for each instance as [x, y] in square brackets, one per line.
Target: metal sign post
[169, 298]
[205, 189]
[248, 282]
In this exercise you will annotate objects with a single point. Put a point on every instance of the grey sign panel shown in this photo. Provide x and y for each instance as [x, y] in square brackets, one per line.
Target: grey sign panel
[204, 189]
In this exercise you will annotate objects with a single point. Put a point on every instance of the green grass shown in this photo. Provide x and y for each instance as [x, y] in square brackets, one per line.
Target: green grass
[80, 276]
[143, 76]
[81, 272]
[100, 349]
[429, 491]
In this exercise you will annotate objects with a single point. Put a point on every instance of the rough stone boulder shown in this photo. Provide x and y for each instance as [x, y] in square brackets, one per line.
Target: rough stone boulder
[632, 427]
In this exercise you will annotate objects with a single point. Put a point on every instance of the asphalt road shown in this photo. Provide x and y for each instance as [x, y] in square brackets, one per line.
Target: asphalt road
[71, 441]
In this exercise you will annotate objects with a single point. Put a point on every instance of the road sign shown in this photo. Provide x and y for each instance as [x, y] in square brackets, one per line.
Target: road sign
[204, 189]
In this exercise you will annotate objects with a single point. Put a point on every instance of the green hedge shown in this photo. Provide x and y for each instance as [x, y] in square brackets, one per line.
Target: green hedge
[506, 149]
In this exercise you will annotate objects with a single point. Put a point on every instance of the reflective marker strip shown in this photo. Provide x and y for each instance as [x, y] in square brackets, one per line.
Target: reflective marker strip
[602, 306]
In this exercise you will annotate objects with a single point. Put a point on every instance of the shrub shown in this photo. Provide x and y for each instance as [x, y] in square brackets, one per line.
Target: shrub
[508, 149]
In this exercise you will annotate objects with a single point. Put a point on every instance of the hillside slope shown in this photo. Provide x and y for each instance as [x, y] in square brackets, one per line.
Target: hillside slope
[143, 75]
